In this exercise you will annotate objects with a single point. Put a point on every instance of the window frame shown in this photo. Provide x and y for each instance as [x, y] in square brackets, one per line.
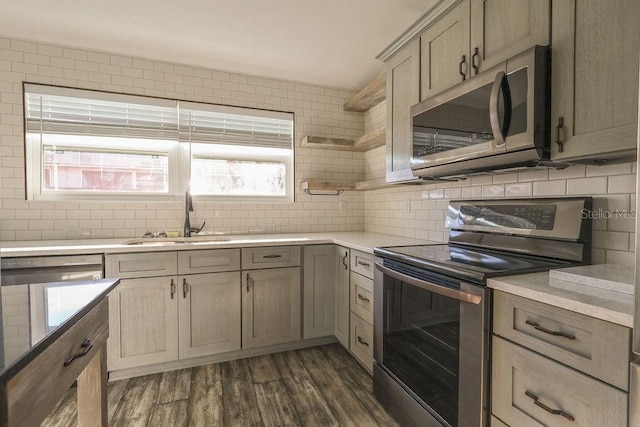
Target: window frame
[179, 153]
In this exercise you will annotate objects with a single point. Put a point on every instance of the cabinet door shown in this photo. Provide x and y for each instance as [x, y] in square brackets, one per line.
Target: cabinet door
[403, 91]
[341, 280]
[209, 306]
[595, 78]
[504, 28]
[444, 52]
[143, 325]
[531, 390]
[270, 306]
[318, 291]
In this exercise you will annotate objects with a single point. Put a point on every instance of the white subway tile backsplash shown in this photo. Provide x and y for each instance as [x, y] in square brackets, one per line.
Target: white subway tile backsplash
[584, 186]
[622, 184]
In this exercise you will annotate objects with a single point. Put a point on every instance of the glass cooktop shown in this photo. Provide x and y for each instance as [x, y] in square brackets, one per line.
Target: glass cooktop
[465, 263]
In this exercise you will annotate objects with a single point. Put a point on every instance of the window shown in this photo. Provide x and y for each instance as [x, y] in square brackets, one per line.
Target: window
[95, 145]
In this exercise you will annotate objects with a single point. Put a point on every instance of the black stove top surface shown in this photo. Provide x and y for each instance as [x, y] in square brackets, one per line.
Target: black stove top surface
[471, 264]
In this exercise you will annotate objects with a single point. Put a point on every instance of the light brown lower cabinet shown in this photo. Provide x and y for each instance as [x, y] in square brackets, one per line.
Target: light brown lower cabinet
[270, 306]
[209, 314]
[531, 390]
[163, 319]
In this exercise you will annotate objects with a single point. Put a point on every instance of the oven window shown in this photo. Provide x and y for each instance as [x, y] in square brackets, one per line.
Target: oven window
[421, 344]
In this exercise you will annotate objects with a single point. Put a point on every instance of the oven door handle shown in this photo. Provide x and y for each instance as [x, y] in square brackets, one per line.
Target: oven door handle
[431, 287]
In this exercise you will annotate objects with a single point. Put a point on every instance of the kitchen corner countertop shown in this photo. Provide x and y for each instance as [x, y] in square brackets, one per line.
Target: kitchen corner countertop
[359, 240]
[602, 304]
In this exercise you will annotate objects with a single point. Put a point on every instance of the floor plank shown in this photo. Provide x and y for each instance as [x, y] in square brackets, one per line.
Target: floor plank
[274, 402]
[312, 408]
[173, 414]
[239, 399]
[263, 369]
[138, 399]
[344, 404]
[205, 404]
[321, 386]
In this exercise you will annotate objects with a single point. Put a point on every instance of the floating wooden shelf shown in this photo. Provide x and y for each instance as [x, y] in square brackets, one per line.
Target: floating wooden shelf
[325, 188]
[370, 96]
[366, 142]
[318, 187]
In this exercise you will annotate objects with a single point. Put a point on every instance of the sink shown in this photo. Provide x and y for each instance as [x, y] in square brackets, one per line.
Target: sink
[168, 241]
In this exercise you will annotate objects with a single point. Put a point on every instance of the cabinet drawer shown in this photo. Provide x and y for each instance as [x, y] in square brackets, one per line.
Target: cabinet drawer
[521, 377]
[362, 297]
[598, 348]
[147, 264]
[361, 344]
[273, 256]
[38, 387]
[208, 261]
[362, 263]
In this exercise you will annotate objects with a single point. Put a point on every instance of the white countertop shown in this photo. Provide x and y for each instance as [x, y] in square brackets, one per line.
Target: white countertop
[359, 240]
[615, 307]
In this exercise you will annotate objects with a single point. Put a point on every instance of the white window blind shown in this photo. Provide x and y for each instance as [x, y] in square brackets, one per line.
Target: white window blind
[84, 144]
[235, 126]
[56, 110]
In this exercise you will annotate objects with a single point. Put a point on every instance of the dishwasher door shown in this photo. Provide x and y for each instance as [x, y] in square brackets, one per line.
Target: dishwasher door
[40, 286]
[46, 269]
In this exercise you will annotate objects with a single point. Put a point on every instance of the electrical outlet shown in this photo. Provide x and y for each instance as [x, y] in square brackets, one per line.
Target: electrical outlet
[407, 205]
[269, 228]
[342, 206]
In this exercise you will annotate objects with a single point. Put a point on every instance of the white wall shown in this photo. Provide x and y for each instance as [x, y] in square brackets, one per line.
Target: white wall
[318, 111]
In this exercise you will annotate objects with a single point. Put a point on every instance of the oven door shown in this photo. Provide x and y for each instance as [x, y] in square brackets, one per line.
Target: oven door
[431, 338]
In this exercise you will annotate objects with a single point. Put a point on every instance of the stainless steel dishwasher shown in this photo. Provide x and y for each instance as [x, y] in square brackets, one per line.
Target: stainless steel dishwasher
[35, 288]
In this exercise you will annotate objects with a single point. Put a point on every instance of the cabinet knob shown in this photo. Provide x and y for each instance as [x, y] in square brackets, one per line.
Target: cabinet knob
[475, 65]
[86, 348]
[360, 297]
[537, 327]
[536, 401]
[462, 72]
[558, 139]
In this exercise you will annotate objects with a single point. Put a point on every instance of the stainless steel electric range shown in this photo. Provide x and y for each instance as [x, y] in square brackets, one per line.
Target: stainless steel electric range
[432, 309]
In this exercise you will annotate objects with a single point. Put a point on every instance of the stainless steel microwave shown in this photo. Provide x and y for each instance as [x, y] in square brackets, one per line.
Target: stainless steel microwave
[496, 120]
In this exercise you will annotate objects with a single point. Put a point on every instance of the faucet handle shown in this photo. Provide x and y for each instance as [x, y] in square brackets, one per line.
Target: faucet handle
[196, 229]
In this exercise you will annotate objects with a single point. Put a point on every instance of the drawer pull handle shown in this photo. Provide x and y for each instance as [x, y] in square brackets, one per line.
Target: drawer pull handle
[364, 264]
[549, 331]
[86, 348]
[365, 299]
[344, 260]
[272, 256]
[185, 288]
[537, 402]
[248, 283]
[363, 342]
[173, 289]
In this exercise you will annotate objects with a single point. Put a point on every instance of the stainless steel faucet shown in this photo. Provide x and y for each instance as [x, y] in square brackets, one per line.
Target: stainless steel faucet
[188, 207]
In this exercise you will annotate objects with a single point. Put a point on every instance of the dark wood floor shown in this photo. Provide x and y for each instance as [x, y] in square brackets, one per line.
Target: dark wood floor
[320, 386]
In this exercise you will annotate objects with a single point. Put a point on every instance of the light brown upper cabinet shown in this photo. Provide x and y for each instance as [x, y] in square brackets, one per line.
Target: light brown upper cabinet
[501, 29]
[444, 51]
[403, 91]
[476, 35]
[594, 79]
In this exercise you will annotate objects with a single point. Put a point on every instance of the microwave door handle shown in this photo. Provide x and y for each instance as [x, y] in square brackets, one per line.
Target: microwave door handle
[494, 117]
[431, 287]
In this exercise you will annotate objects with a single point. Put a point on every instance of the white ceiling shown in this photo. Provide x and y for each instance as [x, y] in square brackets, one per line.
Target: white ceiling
[327, 42]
